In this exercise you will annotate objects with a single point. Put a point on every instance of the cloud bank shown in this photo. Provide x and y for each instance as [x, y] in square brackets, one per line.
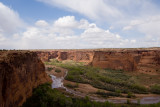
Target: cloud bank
[9, 20]
[62, 34]
[68, 33]
[94, 9]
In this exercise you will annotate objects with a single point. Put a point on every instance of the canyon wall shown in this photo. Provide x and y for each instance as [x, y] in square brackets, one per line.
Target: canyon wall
[141, 60]
[20, 72]
[75, 55]
[146, 61]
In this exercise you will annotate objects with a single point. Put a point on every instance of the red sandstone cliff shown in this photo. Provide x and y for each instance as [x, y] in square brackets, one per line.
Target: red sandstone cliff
[141, 60]
[79, 56]
[20, 72]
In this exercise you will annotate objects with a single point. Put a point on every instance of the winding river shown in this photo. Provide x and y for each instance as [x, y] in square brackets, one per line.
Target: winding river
[58, 83]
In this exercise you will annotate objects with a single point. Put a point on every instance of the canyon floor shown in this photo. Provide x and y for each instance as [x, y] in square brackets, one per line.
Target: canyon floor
[105, 84]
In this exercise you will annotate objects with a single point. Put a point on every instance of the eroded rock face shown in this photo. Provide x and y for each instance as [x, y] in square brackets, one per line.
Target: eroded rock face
[46, 55]
[20, 72]
[149, 62]
[140, 60]
[79, 56]
[114, 60]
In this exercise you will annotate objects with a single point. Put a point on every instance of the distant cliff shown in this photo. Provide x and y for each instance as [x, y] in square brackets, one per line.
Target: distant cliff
[20, 72]
[140, 60]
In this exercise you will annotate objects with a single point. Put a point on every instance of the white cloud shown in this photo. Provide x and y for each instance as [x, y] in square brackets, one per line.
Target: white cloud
[110, 11]
[9, 20]
[63, 26]
[66, 21]
[140, 16]
[41, 23]
[67, 32]
[127, 28]
[2, 38]
[133, 41]
[118, 36]
[94, 9]
[148, 26]
[111, 27]
[83, 24]
[99, 38]
[51, 36]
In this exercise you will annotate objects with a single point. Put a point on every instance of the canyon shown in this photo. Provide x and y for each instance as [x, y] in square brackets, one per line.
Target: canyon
[145, 60]
[20, 73]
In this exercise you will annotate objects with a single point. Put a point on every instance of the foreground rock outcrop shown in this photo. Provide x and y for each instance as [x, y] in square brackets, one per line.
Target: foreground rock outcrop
[141, 60]
[20, 72]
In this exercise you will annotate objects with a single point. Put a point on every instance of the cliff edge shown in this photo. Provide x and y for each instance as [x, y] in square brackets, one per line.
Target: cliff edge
[20, 72]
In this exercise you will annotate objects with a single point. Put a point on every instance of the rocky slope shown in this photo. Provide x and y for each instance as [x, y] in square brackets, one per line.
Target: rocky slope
[20, 72]
[141, 60]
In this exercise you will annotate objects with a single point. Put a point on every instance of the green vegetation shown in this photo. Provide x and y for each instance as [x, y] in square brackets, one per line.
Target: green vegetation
[155, 89]
[138, 102]
[64, 64]
[54, 61]
[72, 86]
[130, 95]
[57, 70]
[150, 105]
[111, 80]
[107, 94]
[49, 69]
[128, 101]
[45, 96]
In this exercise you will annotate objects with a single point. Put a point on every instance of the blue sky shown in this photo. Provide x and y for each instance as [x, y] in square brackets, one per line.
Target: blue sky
[77, 24]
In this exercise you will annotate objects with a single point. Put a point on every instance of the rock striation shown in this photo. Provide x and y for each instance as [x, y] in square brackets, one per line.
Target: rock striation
[145, 60]
[20, 72]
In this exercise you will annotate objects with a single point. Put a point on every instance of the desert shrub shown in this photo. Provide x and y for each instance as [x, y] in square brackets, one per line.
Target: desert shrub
[72, 86]
[128, 101]
[54, 61]
[111, 80]
[57, 70]
[70, 77]
[150, 105]
[101, 93]
[138, 101]
[155, 89]
[97, 79]
[107, 94]
[49, 69]
[138, 88]
[118, 91]
[130, 95]
[45, 96]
